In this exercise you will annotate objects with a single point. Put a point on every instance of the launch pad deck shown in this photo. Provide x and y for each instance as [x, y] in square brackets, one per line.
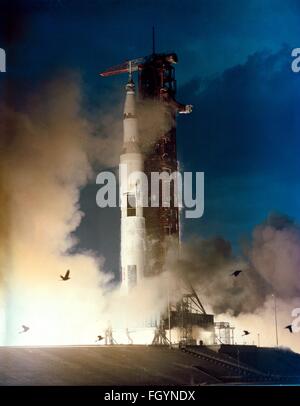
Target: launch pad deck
[142, 365]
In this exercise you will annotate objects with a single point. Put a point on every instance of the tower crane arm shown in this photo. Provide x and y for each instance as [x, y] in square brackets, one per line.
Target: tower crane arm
[123, 67]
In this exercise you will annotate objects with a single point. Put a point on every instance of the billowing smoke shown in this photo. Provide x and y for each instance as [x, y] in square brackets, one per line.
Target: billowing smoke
[270, 263]
[275, 255]
[47, 152]
[208, 264]
[155, 119]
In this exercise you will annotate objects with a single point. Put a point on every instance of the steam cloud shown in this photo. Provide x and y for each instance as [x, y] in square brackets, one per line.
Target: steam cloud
[270, 264]
[208, 264]
[47, 152]
[155, 119]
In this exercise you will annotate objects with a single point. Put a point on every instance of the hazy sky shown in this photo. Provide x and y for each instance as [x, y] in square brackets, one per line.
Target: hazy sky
[234, 67]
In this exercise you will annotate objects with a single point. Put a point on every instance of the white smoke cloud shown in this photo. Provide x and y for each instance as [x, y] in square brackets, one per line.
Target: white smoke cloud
[275, 255]
[261, 325]
[46, 158]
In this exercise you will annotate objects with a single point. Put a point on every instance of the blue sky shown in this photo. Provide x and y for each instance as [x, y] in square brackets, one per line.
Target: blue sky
[234, 67]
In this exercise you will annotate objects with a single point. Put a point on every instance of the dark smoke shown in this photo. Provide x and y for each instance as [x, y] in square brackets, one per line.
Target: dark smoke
[270, 263]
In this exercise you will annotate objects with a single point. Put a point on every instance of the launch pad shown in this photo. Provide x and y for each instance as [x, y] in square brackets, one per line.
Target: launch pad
[134, 365]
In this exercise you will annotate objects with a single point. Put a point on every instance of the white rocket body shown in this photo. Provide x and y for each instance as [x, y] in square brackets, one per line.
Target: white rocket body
[131, 177]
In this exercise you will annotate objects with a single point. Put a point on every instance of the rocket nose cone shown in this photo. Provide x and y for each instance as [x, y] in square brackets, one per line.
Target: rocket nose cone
[130, 86]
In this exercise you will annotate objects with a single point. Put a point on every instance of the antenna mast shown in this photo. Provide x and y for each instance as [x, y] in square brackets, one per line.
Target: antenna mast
[130, 71]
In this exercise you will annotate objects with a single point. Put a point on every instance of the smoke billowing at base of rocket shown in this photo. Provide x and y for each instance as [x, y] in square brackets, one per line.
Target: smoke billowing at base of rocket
[48, 152]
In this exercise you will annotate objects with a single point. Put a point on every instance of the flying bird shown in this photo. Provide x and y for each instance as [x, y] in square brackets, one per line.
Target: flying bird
[25, 329]
[66, 277]
[246, 333]
[236, 273]
[290, 328]
[99, 338]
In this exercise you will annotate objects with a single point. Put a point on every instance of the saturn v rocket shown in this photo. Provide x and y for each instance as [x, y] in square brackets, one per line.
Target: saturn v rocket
[131, 178]
[145, 230]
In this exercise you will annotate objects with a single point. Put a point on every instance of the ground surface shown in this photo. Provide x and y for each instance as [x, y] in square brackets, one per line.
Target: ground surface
[98, 365]
[147, 365]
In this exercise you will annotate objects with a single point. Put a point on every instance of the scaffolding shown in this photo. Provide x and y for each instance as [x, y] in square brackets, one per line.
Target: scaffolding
[160, 336]
[224, 333]
[183, 317]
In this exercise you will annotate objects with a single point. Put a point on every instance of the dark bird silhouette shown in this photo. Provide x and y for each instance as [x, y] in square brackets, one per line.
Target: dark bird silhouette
[66, 277]
[236, 273]
[290, 328]
[246, 333]
[25, 329]
[99, 338]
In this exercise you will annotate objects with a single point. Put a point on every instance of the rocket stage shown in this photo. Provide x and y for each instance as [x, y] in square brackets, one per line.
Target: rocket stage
[147, 365]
